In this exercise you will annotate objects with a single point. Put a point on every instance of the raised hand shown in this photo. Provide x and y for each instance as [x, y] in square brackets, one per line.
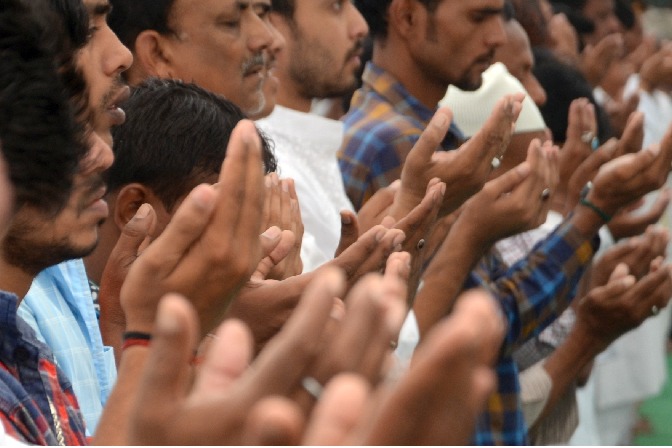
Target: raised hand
[465, 170]
[281, 209]
[211, 246]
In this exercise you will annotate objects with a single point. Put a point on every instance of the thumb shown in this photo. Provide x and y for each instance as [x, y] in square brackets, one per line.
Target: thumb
[133, 235]
[349, 231]
[164, 379]
[508, 181]
[283, 247]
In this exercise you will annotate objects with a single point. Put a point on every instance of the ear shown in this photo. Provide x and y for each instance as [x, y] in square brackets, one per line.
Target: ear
[403, 16]
[153, 54]
[128, 201]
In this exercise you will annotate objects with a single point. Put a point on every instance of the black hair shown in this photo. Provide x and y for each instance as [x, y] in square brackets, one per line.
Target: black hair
[174, 138]
[75, 18]
[39, 136]
[375, 13]
[509, 12]
[284, 7]
[563, 84]
[625, 13]
[129, 18]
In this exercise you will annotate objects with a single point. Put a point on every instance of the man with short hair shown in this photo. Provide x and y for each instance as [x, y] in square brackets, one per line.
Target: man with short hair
[324, 40]
[46, 250]
[420, 48]
[221, 46]
[41, 146]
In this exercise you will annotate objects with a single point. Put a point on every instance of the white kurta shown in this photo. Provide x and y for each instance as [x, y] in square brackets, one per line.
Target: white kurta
[306, 146]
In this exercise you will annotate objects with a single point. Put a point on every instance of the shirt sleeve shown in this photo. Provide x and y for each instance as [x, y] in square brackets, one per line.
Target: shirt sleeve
[537, 289]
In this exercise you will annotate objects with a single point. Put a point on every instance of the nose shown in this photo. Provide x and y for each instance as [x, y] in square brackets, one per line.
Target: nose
[496, 35]
[535, 90]
[118, 58]
[358, 26]
[279, 41]
[260, 35]
[99, 158]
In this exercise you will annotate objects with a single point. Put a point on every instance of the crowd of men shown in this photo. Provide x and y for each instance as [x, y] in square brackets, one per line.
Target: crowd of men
[389, 222]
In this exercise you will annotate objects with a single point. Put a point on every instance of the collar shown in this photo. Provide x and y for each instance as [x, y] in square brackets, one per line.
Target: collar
[392, 91]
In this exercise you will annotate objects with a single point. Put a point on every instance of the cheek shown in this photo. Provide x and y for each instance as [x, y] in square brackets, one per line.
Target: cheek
[6, 199]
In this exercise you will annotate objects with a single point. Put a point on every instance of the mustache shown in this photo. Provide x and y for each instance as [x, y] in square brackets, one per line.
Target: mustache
[356, 50]
[117, 85]
[252, 64]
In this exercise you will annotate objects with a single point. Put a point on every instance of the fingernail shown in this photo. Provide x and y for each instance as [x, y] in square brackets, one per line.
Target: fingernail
[272, 233]
[267, 181]
[285, 186]
[398, 240]
[142, 212]
[628, 281]
[203, 198]
[440, 120]
[166, 320]
[346, 219]
[380, 234]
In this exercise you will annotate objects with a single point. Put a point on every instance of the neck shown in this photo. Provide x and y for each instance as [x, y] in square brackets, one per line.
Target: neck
[397, 62]
[289, 96]
[14, 279]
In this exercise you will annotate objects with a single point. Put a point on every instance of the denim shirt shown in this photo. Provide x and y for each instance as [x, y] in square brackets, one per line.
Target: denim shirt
[59, 307]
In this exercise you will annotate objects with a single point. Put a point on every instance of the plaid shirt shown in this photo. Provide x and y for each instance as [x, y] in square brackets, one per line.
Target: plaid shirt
[383, 124]
[37, 404]
[532, 294]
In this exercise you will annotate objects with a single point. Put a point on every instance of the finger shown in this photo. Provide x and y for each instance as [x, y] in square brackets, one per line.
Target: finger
[249, 224]
[276, 203]
[275, 369]
[165, 377]
[349, 231]
[416, 224]
[227, 359]
[133, 235]
[268, 185]
[493, 138]
[633, 135]
[274, 421]
[338, 412]
[276, 252]
[432, 136]
[508, 181]
[286, 209]
[233, 178]
[395, 280]
[575, 125]
[186, 226]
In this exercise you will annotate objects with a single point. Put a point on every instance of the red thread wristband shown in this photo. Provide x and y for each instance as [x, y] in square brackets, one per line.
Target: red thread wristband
[134, 338]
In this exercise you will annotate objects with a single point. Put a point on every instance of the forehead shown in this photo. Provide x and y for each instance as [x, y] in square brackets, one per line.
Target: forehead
[211, 8]
[460, 7]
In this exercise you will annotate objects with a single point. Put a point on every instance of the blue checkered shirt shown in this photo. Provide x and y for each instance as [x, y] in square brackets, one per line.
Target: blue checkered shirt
[383, 124]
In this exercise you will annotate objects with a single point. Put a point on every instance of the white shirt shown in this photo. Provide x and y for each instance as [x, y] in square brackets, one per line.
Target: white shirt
[306, 146]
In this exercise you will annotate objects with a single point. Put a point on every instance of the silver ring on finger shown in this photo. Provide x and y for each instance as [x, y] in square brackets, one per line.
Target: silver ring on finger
[312, 386]
[545, 194]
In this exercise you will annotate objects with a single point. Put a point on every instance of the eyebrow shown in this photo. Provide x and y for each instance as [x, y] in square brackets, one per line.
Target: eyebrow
[100, 9]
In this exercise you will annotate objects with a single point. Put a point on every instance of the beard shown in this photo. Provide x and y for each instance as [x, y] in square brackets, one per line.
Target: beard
[20, 249]
[314, 72]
